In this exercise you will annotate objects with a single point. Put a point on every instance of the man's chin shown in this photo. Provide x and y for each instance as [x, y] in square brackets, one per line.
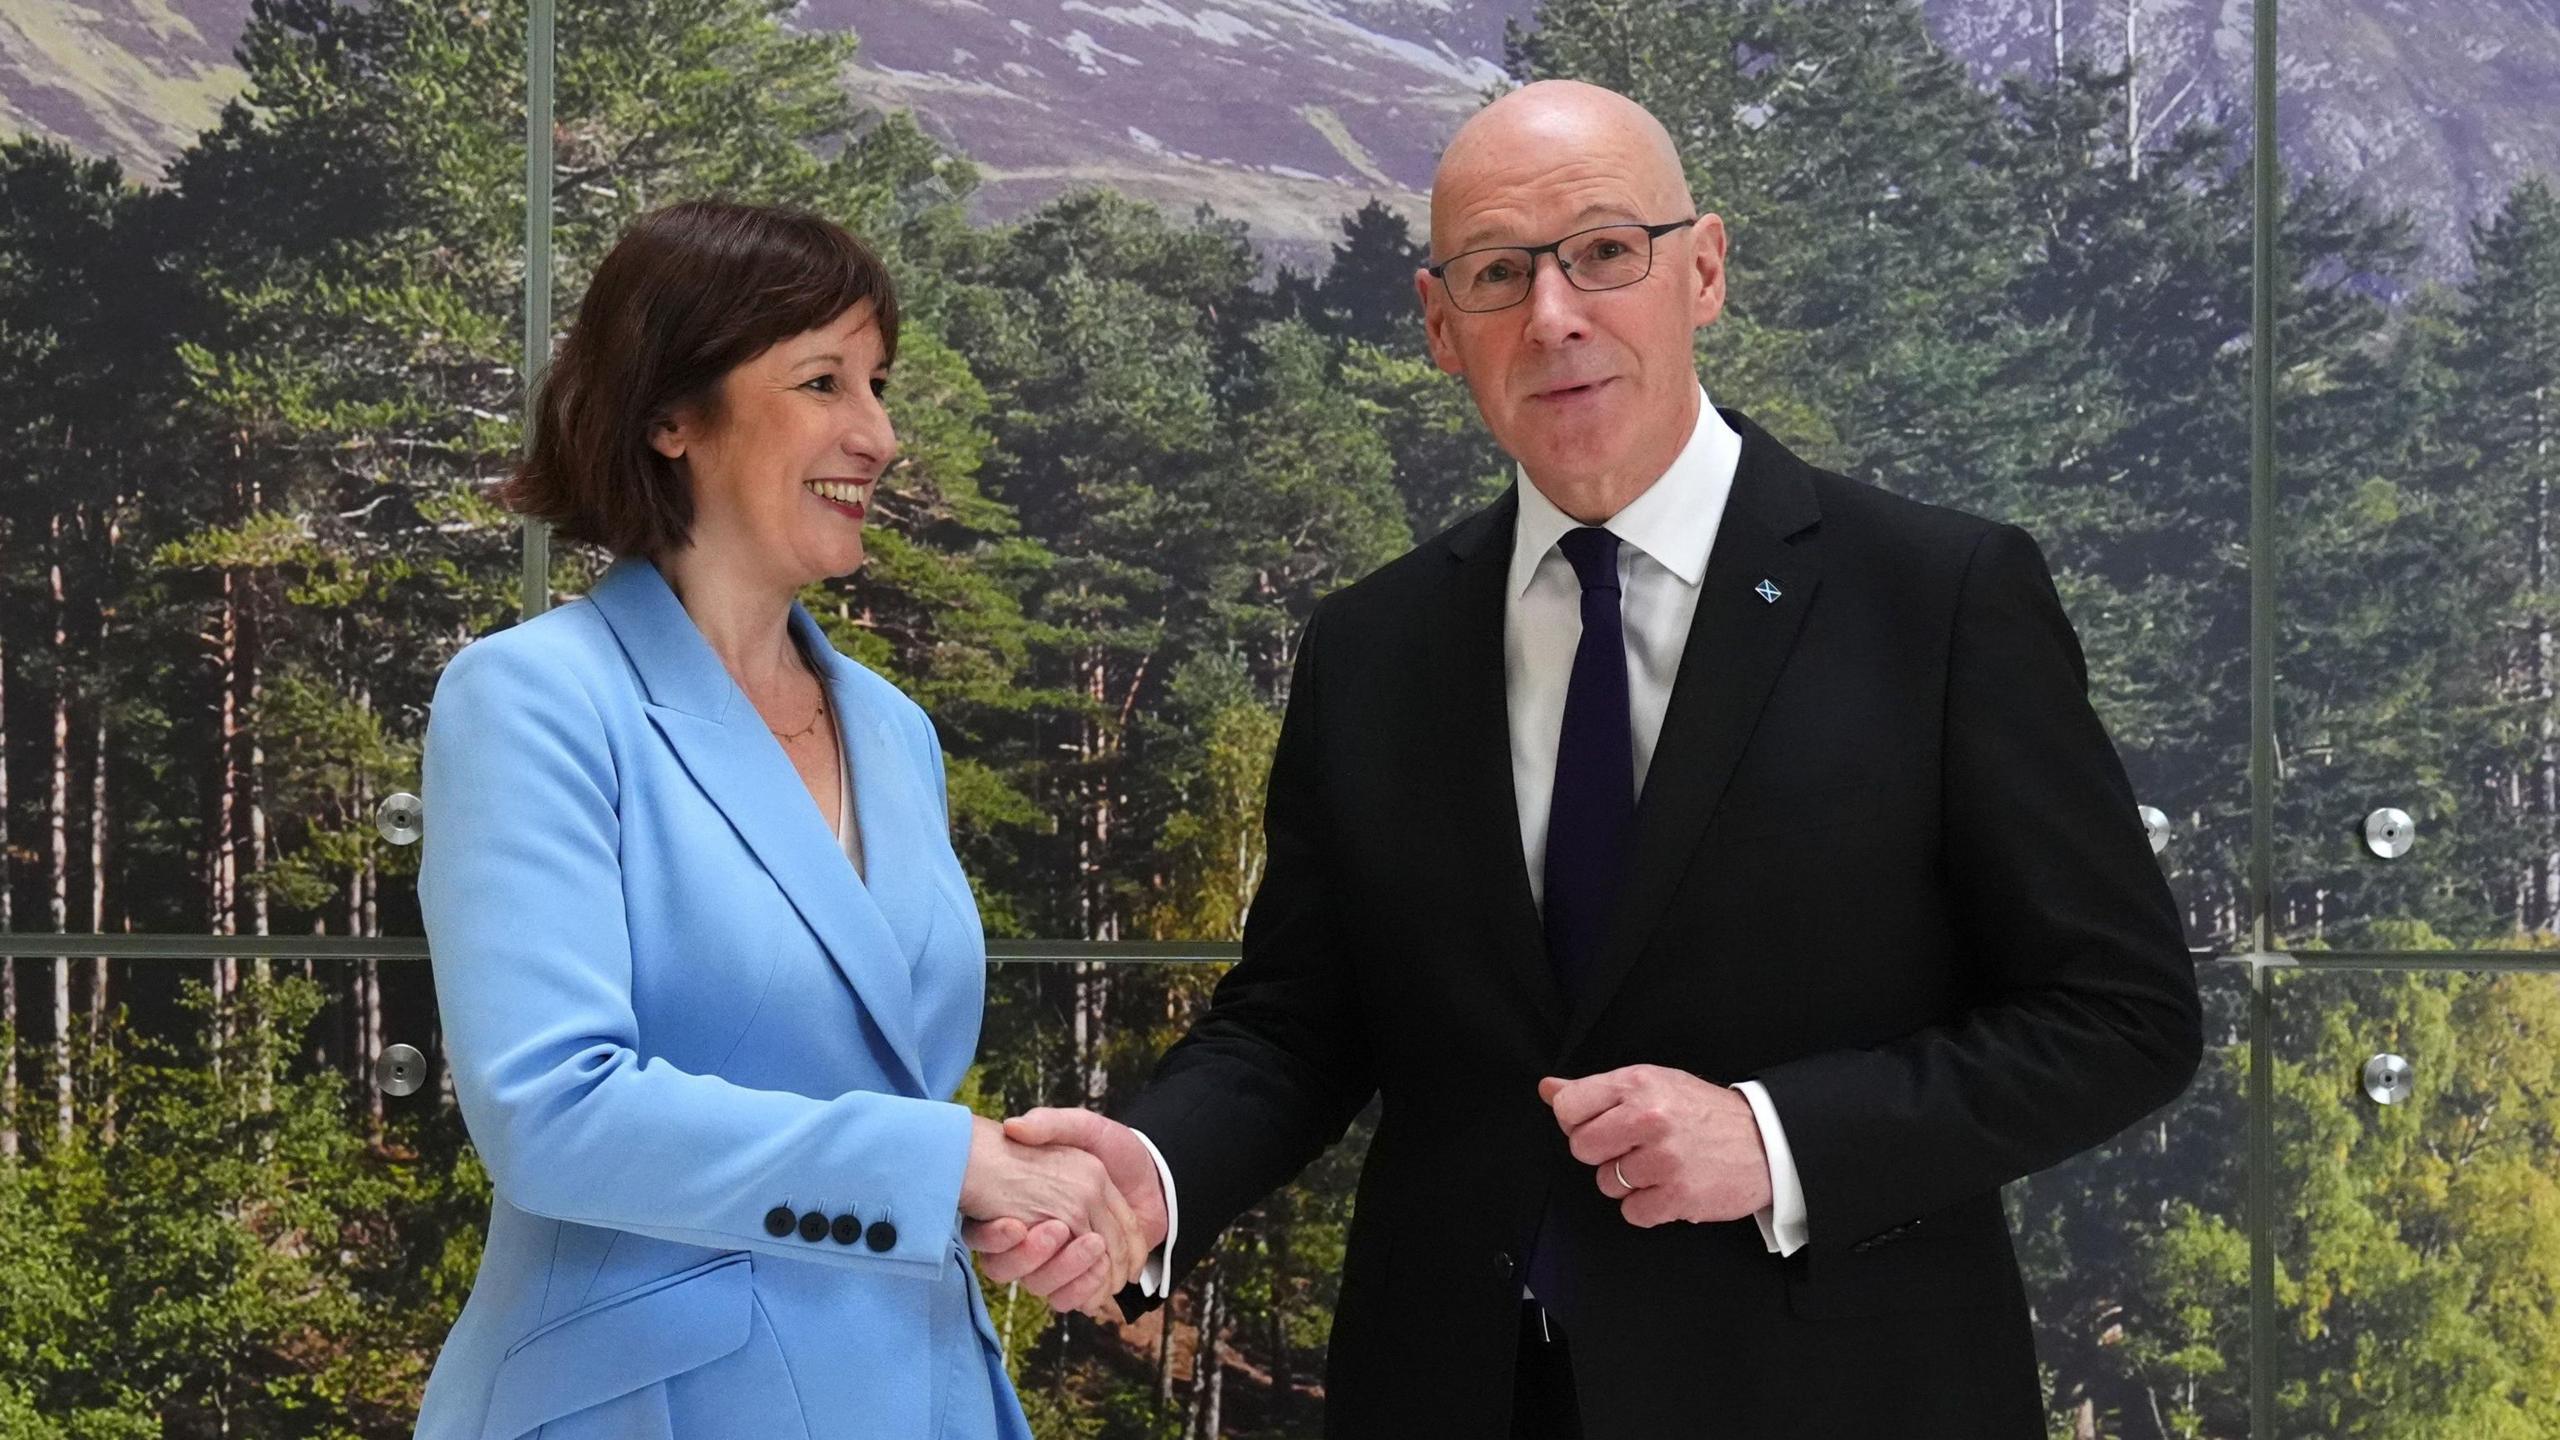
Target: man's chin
[1570, 459]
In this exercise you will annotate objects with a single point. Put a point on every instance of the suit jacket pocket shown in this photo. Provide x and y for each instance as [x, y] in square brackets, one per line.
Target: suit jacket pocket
[622, 1343]
[1947, 1261]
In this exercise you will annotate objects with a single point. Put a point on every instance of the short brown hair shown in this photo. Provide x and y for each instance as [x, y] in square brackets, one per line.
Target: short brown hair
[688, 293]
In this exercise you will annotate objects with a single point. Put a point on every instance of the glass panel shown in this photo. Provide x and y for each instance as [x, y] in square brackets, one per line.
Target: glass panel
[2136, 1257]
[2417, 1243]
[253, 367]
[211, 1209]
[2416, 372]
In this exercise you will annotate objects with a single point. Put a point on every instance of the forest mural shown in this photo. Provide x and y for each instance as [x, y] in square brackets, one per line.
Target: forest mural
[249, 412]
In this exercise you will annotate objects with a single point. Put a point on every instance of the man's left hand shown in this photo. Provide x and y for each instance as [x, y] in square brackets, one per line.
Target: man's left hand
[1686, 1148]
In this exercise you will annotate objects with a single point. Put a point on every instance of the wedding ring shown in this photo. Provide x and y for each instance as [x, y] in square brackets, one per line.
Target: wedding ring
[1622, 1178]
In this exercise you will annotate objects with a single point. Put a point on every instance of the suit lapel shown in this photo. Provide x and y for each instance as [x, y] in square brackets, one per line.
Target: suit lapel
[726, 748]
[1738, 643]
[1472, 702]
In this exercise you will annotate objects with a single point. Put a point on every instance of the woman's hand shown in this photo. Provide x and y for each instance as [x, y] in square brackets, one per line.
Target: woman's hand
[1050, 1191]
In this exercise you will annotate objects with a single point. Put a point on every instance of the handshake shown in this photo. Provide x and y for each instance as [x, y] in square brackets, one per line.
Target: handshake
[1064, 1202]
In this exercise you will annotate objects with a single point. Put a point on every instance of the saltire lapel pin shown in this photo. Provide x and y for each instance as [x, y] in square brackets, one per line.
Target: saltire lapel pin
[1767, 590]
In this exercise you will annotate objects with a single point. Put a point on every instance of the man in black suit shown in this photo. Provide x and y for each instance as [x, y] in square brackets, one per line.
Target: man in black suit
[1713, 863]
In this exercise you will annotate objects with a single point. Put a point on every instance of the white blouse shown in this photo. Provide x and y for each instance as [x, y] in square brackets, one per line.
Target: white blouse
[848, 833]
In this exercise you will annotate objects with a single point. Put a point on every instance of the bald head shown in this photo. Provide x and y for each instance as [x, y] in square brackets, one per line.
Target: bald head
[1551, 130]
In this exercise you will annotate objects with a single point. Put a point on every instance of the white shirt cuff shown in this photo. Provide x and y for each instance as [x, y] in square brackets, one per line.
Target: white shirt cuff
[1782, 1221]
[1151, 1280]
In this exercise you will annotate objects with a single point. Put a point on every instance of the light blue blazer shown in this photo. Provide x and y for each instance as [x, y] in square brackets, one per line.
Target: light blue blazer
[707, 1065]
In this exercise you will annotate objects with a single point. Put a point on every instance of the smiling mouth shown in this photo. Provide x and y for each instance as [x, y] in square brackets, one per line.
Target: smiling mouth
[851, 496]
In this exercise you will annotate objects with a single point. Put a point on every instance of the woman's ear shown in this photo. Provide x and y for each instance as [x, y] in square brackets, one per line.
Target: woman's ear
[667, 437]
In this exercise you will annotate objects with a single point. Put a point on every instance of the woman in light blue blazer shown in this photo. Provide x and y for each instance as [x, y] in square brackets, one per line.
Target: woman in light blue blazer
[708, 968]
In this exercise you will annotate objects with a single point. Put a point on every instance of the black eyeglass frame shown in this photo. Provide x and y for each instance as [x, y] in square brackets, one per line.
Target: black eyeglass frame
[1564, 267]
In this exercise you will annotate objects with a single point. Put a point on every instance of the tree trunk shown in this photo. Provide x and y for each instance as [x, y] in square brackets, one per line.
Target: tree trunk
[2543, 887]
[8, 922]
[1213, 1414]
[221, 846]
[101, 998]
[2541, 428]
[58, 842]
[1204, 1355]
[369, 1036]
[253, 806]
[8, 1056]
[369, 972]
[1278, 1245]
[2132, 90]
[1093, 860]
[253, 803]
[250, 672]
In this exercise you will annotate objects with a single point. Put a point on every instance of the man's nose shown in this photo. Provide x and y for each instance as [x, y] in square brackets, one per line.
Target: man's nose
[1555, 306]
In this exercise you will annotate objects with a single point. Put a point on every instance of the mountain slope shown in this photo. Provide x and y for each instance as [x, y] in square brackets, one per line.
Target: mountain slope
[1291, 113]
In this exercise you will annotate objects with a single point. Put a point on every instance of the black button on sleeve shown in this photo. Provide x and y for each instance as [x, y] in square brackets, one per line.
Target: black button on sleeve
[1504, 1265]
[813, 1227]
[847, 1229]
[778, 1221]
[881, 1236]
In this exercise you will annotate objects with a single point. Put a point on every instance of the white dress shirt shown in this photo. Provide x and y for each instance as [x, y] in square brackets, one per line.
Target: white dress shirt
[1665, 535]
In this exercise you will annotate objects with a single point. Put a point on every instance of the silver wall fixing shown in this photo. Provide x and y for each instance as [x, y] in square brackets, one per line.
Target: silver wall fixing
[2155, 825]
[2389, 832]
[399, 1070]
[402, 818]
[2388, 1079]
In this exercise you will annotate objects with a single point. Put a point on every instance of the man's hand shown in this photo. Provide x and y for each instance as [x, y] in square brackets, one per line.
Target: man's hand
[1092, 1242]
[1685, 1148]
[1043, 1257]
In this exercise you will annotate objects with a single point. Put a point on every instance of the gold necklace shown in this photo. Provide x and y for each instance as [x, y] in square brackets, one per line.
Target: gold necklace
[813, 717]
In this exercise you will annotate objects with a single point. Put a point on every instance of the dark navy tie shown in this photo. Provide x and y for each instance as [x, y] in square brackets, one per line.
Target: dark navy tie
[1588, 823]
[1594, 807]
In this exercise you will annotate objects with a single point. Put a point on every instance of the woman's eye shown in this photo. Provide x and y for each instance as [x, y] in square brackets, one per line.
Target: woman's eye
[880, 388]
[826, 384]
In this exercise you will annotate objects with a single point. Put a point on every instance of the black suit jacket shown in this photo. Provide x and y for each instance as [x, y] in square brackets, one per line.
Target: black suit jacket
[1886, 862]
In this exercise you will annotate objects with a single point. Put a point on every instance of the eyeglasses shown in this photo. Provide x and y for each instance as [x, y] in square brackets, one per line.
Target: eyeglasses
[1603, 257]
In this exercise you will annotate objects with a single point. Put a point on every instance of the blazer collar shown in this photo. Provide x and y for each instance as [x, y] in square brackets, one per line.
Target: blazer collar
[868, 931]
[677, 666]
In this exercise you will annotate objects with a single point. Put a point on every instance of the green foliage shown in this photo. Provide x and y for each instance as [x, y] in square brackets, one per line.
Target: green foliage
[218, 1247]
[2419, 1244]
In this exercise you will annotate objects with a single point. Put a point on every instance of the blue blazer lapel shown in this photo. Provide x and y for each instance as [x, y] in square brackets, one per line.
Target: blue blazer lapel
[892, 803]
[724, 745]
